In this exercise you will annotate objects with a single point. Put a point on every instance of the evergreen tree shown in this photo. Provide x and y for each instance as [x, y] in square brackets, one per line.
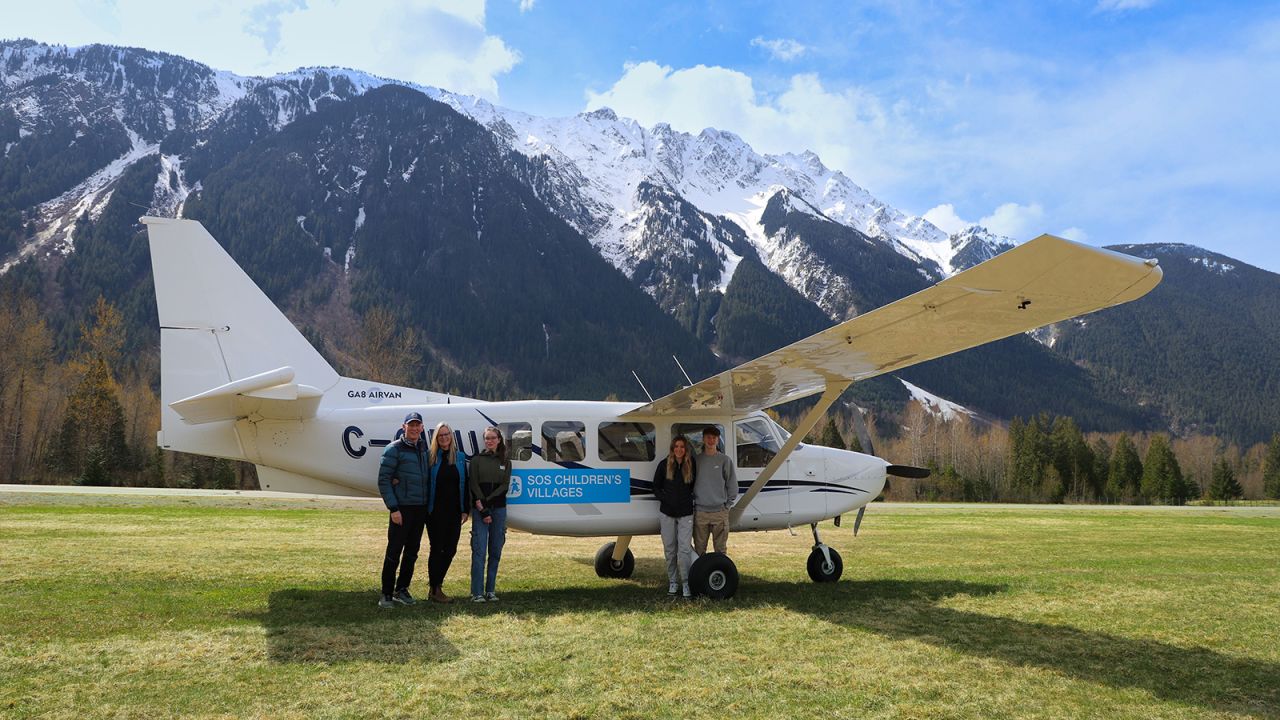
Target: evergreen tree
[92, 430]
[831, 435]
[1224, 487]
[1271, 469]
[1124, 472]
[1161, 475]
[1101, 467]
[1029, 454]
[1072, 458]
[90, 443]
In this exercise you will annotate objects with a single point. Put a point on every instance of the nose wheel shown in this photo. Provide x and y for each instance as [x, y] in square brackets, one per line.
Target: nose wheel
[825, 565]
[609, 567]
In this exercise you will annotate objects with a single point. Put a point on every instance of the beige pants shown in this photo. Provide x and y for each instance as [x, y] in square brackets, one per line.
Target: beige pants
[710, 524]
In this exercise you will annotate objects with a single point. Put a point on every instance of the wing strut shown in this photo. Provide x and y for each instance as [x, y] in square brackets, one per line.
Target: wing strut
[811, 419]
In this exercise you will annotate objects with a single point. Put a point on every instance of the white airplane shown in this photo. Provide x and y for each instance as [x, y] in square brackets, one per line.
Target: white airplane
[238, 381]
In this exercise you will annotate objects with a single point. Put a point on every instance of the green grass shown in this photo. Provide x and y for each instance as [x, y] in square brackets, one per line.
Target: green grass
[150, 607]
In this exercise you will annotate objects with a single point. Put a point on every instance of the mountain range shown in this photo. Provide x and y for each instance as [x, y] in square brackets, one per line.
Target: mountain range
[552, 256]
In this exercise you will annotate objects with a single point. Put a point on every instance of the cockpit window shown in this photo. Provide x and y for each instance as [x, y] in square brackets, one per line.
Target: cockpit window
[782, 433]
[756, 443]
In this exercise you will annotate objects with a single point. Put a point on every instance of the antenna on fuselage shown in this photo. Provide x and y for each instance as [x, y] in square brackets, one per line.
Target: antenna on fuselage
[682, 372]
[642, 387]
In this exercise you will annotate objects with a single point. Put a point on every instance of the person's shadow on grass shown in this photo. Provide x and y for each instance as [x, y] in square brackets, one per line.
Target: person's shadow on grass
[331, 626]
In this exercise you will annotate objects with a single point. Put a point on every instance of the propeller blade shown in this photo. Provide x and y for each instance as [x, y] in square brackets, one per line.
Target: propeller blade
[857, 522]
[907, 471]
[860, 429]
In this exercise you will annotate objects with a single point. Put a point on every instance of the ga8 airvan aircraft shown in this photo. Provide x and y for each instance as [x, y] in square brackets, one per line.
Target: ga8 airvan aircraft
[239, 381]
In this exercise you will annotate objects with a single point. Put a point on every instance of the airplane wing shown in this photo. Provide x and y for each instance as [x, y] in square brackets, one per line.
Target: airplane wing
[1043, 281]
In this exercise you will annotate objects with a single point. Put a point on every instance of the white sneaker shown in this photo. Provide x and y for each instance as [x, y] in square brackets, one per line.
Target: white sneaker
[685, 591]
[477, 598]
[672, 589]
[491, 597]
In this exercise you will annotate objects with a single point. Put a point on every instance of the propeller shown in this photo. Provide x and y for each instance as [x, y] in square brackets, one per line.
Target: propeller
[864, 439]
[902, 471]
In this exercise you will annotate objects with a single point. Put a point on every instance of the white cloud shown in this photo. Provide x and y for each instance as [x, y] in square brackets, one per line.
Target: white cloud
[1123, 5]
[1074, 233]
[432, 42]
[526, 5]
[783, 49]
[850, 129]
[944, 216]
[1020, 222]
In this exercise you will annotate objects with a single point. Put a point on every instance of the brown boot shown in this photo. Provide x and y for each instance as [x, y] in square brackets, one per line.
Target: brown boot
[437, 595]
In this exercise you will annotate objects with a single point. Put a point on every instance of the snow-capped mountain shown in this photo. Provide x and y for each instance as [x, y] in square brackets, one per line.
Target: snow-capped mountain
[607, 165]
[675, 212]
[327, 185]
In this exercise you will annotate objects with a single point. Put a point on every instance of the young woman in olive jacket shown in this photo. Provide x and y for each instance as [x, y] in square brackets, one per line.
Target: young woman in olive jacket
[673, 486]
[489, 478]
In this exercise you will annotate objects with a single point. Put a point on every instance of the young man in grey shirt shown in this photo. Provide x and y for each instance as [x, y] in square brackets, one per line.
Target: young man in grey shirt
[714, 491]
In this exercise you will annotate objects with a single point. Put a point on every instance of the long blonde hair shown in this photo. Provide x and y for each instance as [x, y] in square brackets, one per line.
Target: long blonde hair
[687, 469]
[435, 444]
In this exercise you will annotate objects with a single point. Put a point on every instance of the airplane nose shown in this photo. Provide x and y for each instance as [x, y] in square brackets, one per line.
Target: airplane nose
[857, 472]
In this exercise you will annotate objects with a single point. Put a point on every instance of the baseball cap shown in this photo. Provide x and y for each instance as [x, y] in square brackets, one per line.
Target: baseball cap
[411, 417]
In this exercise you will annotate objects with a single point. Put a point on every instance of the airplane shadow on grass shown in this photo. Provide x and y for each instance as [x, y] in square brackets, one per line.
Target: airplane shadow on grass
[330, 625]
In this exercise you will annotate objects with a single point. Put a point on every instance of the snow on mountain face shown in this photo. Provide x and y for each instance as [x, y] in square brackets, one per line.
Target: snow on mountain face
[935, 405]
[128, 102]
[607, 158]
[597, 170]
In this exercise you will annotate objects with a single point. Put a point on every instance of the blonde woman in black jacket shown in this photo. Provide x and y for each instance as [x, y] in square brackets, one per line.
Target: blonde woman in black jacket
[673, 486]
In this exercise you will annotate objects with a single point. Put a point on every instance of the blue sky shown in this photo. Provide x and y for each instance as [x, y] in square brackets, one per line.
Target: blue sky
[1105, 120]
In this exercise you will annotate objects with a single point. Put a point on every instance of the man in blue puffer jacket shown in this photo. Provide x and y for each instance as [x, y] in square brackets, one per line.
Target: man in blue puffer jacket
[402, 481]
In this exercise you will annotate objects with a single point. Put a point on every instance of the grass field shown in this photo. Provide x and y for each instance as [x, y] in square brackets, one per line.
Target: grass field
[151, 607]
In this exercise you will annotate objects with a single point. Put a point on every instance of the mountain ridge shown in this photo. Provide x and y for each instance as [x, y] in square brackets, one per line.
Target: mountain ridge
[678, 215]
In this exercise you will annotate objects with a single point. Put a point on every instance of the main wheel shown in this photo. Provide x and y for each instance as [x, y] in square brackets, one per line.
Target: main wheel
[714, 575]
[820, 570]
[607, 567]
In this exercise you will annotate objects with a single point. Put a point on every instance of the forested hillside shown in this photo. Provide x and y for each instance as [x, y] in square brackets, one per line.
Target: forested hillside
[1202, 349]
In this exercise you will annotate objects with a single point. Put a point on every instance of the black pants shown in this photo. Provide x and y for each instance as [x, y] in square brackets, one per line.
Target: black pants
[444, 526]
[403, 541]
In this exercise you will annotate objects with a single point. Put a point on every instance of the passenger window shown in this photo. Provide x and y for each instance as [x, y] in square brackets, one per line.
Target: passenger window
[519, 439]
[564, 441]
[756, 443]
[626, 441]
[693, 433]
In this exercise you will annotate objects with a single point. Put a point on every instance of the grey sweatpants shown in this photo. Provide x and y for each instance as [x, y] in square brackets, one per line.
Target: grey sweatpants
[677, 545]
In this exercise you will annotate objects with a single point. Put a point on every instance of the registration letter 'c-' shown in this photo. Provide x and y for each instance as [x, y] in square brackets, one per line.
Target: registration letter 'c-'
[350, 432]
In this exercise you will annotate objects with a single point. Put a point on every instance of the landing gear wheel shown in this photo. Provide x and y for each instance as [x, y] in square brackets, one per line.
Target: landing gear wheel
[714, 575]
[820, 570]
[606, 567]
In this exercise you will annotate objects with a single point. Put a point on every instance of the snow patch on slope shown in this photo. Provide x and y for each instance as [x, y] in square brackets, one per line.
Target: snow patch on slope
[56, 218]
[937, 406]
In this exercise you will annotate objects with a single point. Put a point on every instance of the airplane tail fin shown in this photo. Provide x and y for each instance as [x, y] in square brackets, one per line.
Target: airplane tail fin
[226, 351]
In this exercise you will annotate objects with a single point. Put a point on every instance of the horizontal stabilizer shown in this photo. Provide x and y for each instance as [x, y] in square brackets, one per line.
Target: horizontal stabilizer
[271, 395]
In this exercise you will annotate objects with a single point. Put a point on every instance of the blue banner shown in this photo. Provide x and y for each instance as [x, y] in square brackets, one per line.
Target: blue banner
[555, 486]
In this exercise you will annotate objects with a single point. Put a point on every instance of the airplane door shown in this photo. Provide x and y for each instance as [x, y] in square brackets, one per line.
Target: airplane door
[756, 446]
